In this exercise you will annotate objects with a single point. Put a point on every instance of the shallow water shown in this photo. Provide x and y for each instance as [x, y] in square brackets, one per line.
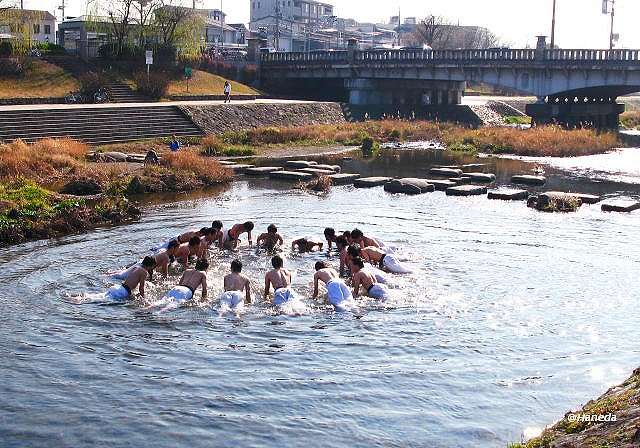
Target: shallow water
[511, 318]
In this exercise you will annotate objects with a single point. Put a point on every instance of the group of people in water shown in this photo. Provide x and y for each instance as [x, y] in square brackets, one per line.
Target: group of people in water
[364, 262]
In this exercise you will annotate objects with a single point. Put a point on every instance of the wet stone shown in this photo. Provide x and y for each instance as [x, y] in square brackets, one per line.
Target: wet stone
[290, 175]
[297, 164]
[262, 170]
[370, 182]
[508, 194]
[239, 168]
[440, 184]
[334, 168]
[227, 162]
[621, 206]
[473, 166]
[317, 172]
[481, 177]
[467, 190]
[343, 178]
[409, 186]
[526, 179]
[446, 172]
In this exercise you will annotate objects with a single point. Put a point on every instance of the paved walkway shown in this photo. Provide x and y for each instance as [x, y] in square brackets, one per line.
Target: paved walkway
[153, 104]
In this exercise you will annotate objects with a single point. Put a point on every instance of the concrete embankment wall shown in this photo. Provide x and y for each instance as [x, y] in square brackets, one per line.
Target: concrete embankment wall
[217, 119]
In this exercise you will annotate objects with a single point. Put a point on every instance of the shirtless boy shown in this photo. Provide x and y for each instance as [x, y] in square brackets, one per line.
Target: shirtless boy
[237, 287]
[164, 259]
[280, 279]
[330, 236]
[305, 245]
[338, 293]
[364, 241]
[136, 278]
[191, 280]
[379, 258]
[185, 251]
[368, 281]
[270, 240]
[231, 237]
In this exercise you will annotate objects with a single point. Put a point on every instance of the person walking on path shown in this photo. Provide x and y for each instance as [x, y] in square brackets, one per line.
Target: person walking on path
[227, 92]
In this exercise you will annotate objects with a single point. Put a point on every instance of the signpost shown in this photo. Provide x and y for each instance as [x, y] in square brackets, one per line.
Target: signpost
[188, 74]
[149, 60]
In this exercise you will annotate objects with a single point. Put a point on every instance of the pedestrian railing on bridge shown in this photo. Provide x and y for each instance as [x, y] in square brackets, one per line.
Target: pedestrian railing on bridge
[631, 57]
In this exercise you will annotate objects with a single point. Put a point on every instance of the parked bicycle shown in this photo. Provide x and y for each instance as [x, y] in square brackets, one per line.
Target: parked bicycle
[73, 98]
[101, 96]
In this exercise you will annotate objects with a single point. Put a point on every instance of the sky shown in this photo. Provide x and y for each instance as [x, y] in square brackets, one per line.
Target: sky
[579, 23]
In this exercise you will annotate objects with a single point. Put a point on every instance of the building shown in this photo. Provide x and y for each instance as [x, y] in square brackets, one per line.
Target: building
[28, 25]
[84, 35]
[292, 25]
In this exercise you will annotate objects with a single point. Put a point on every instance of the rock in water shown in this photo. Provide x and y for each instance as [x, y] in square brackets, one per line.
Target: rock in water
[446, 172]
[370, 182]
[555, 202]
[297, 164]
[343, 178]
[467, 190]
[526, 179]
[291, 175]
[409, 186]
[262, 170]
[620, 205]
[508, 194]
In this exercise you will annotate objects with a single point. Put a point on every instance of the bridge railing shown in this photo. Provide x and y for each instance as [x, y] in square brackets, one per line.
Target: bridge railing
[448, 56]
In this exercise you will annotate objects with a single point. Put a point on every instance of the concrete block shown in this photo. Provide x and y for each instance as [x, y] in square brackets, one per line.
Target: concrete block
[369, 182]
[316, 172]
[508, 194]
[334, 168]
[526, 179]
[473, 166]
[262, 170]
[620, 205]
[239, 168]
[409, 186]
[584, 198]
[226, 162]
[440, 184]
[446, 172]
[297, 164]
[343, 178]
[290, 175]
[467, 190]
[481, 177]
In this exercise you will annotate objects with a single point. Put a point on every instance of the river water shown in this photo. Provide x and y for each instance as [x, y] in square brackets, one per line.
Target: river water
[511, 318]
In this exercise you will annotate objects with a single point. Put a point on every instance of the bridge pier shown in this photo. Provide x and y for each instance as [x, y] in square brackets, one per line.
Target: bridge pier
[403, 93]
[574, 112]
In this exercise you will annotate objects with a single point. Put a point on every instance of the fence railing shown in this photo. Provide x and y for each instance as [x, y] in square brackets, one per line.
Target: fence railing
[434, 56]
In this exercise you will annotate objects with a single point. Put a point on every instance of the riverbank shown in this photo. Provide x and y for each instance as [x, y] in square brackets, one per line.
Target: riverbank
[612, 421]
[50, 189]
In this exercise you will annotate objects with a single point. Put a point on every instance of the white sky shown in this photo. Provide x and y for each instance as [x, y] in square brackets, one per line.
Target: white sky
[580, 23]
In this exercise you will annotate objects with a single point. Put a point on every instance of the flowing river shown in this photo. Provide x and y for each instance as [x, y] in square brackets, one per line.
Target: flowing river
[511, 318]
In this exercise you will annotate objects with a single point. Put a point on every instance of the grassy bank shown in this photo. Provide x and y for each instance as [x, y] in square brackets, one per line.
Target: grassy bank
[49, 188]
[541, 141]
[205, 83]
[40, 80]
[577, 429]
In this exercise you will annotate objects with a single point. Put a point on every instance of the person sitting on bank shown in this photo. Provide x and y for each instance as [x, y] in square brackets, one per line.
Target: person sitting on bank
[368, 281]
[305, 245]
[270, 240]
[227, 92]
[174, 144]
[231, 237]
[237, 287]
[151, 158]
[135, 279]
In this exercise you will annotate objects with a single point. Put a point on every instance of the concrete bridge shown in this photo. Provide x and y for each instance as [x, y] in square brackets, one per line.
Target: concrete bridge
[573, 87]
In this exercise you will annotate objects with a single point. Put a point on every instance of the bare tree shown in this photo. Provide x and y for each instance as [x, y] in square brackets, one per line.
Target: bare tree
[121, 17]
[145, 10]
[433, 31]
[169, 19]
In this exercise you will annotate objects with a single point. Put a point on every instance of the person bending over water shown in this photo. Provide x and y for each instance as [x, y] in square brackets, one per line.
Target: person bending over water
[182, 238]
[368, 281]
[135, 279]
[305, 245]
[165, 258]
[191, 280]
[231, 237]
[358, 238]
[237, 287]
[338, 293]
[330, 236]
[219, 234]
[280, 279]
[192, 249]
[379, 258]
[270, 240]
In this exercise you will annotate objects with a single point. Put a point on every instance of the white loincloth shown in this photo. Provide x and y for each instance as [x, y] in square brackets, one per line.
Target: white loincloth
[232, 299]
[282, 296]
[179, 294]
[378, 291]
[391, 263]
[118, 293]
[339, 295]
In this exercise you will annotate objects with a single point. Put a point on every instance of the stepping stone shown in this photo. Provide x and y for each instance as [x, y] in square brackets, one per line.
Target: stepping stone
[239, 169]
[290, 175]
[526, 179]
[446, 172]
[473, 166]
[334, 168]
[620, 205]
[508, 194]
[136, 158]
[584, 198]
[113, 156]
[448, 167]
[440, 184]
[317, 172]
[262, 170]
[370, 182]
[409, 186]
[467, 190]
[300, 164]
[226, 162]
[481, 177]
[343, 178]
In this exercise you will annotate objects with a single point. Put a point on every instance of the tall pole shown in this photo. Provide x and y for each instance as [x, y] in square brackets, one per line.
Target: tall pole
[613, 13]
[553, 26]
[221, 26]
[276, 34]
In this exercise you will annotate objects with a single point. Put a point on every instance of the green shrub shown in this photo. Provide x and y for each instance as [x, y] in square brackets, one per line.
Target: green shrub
[463, 147]
[47, 48]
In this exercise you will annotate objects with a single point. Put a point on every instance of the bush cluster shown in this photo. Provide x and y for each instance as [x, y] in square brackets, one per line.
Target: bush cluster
[91, 82]
[154, 85]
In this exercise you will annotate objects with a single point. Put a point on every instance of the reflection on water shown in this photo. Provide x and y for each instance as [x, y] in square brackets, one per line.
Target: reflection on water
[511, 318]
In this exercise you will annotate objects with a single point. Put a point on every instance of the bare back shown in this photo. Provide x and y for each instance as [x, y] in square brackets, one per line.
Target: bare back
[235, 282]
[280, 278]
[193, 279]
[327, 274]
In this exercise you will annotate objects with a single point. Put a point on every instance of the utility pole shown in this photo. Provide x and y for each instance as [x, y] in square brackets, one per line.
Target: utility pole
[553, 26]
[61, 7]
[221, 26]
[398, 29]
[613, 13]
[276, 33]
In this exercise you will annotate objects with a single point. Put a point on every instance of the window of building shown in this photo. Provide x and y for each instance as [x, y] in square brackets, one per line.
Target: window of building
[36, 28]
[47, 29]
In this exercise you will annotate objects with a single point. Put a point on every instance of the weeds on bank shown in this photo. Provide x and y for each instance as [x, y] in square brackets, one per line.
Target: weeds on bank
[630, 120]
[213, 146]
[208, 170]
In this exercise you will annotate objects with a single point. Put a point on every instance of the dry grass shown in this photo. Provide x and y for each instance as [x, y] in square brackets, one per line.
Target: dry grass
[208, 170]
[205, 83]
[42, 80]
[322, 184]
[631, 119]
[45, 161]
